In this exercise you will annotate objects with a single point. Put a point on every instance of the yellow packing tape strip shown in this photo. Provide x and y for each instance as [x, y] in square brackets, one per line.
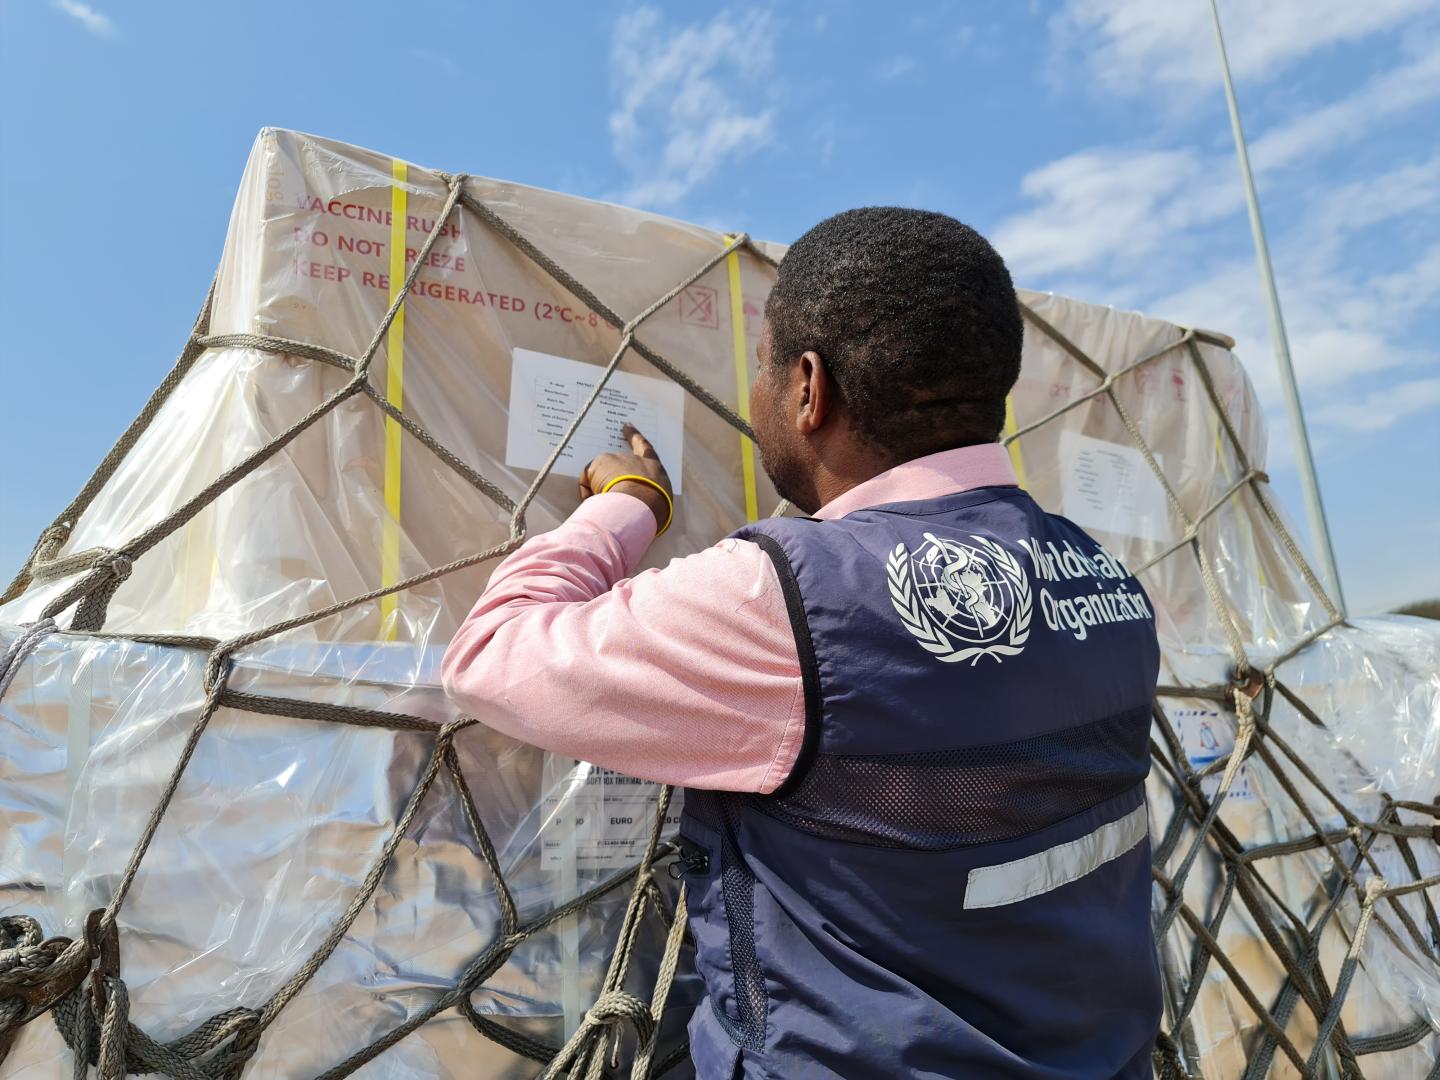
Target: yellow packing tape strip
[1017, 459]
[742, 380]
[395, 394]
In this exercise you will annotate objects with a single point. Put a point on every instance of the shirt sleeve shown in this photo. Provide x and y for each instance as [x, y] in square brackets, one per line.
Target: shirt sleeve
[686, 675]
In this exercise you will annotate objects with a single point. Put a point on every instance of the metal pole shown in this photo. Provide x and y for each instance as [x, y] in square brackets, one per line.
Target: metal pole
[1314, 507]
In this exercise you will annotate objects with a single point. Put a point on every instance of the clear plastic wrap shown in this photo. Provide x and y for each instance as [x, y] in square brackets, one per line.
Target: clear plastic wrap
[269, 837]
[1375, 685]
[276, 820]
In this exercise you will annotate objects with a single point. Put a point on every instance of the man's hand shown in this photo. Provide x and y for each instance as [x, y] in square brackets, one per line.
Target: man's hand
[642, 462]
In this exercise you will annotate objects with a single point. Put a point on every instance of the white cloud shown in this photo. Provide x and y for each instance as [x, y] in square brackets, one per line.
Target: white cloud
[1164, 230]
[1354, 117]
[1381, 408]
[1328, 349]
[1131, 47]
[687, 103]
[92, 20]
[1113, 206]
[1410, 290]
[1345, 324]
[1096, 205]
[1350, 187]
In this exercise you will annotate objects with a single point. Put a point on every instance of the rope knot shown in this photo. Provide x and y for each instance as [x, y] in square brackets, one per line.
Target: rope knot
[1245, 688]
[51, 541]
[248, 1030]
[35, 971]
[107, 569]
[1374, 888]
[616, 1006]
[1244, 715]
[217, 669]
[17, 932]
[612, 1010]
[118, 563]
[446, 735]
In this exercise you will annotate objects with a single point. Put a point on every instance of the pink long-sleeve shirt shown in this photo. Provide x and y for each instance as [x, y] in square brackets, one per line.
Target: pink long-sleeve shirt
[687, 674]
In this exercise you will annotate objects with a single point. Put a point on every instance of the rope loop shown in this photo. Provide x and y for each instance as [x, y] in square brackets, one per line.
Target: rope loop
[247, 1034]
[110, 572]
[35, 973]
[217, 669]
[611, 1011]
[1374, 889]
[17, 932]
[107, 570]
[617, 1007]
[20, 648]
[112, 1001]
[118, 563]
[50, 542]
[1246, 687]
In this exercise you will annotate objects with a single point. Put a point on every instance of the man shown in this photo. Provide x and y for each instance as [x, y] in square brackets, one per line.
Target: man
[914, 835]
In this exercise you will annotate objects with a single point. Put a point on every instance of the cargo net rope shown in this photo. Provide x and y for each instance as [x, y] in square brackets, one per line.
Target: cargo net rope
[39, 975]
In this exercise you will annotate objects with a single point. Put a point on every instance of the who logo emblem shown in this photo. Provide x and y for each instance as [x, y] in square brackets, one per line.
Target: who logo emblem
[961, 601]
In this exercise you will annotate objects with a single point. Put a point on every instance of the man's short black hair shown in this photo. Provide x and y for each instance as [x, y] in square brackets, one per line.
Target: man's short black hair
[915, 318]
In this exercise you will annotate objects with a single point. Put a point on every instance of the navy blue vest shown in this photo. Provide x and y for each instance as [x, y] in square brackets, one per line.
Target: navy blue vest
[954, 881]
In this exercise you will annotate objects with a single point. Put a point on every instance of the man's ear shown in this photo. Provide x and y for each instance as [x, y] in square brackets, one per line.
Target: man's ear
[816, 394]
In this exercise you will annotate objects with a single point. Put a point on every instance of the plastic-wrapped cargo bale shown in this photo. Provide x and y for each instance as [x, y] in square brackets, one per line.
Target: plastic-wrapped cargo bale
[1120, 386]
[1359, 712]
[309, 257]
[269, 837]
[1376, 684]
[276, 818]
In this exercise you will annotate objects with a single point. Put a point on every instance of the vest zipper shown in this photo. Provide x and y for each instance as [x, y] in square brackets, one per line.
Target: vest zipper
[693, 860]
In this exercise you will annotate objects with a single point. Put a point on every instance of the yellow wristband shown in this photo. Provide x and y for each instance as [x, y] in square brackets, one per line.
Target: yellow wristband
[669, 502]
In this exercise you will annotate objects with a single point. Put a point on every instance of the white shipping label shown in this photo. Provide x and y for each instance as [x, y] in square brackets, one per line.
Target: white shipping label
[547, 391]
[1206, 737]
[605, 815]
[1111, 487]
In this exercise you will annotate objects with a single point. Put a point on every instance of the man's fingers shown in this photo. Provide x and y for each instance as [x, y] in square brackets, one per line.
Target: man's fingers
[638, 443]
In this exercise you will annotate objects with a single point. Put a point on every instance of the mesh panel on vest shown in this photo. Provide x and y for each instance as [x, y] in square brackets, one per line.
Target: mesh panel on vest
[737, 884]
[940, 799]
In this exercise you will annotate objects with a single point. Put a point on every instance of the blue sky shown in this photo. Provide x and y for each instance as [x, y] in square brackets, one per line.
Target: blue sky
[1088, 138]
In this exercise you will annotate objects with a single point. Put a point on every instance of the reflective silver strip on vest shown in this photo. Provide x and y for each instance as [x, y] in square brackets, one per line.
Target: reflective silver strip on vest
[1011, 882]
